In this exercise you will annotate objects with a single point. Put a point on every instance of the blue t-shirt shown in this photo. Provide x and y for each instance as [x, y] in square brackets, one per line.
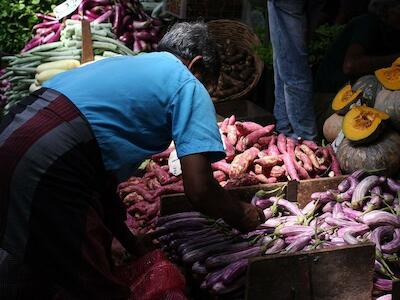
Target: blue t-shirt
[137, 104]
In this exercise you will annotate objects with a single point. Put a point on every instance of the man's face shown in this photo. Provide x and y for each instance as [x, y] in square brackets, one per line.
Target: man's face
[393, 18]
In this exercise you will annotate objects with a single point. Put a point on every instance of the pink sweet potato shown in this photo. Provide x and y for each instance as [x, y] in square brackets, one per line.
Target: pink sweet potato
[290, 167]
[159, 172]
[310, 154]
[232, 120]
[304, 158]
[268, 161]
[224, 125]
[310, 144]
[264, 140]
[221, 166]
[277, 171]
[232, 134]
[140, 190]
[281, 143]
[241, 162]
[258, 169]
[219, 175]
[253, 137]
[229, 149]
[239, 145]
[245, 128]
[169, 189]
[335, 166]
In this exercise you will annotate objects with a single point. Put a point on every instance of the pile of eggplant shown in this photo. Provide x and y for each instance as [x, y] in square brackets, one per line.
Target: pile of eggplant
[363, 208]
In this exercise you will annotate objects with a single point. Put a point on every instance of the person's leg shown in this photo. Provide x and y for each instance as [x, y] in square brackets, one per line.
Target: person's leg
[51, 183]
[292, 61]
[280, 114]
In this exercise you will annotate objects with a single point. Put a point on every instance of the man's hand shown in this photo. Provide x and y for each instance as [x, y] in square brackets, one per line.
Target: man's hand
[210, 198]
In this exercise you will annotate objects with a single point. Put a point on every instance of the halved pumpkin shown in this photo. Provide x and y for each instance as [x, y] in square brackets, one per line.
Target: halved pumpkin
[389, 77]
[363, 124]
[344, 99]
[396, 62]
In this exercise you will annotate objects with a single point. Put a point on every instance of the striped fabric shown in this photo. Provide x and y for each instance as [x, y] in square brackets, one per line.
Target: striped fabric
[54, 200]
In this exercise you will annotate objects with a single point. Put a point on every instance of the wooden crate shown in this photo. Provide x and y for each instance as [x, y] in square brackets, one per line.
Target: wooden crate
[396, 290]
[344, 273]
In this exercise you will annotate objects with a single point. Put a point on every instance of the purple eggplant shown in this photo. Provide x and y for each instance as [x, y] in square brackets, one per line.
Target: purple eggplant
[200, 254]
[393, 185]
[234, 271]
[362, 189]
[351, 213]
[347, 195]
[385, 297]
[212, 278]
[383, 284]
[328, 207]
[294, 230]
[323, 197]
[268, 213]
[225, 259]
[310, 208]
[379, 233]
[340, 222]
[276, 246]
[220, 289]
[378, 217]
[104, 17]
[288, 206]
[338, 211]
[394, 245]
[203, 242]
[199, 268]
[298, 244]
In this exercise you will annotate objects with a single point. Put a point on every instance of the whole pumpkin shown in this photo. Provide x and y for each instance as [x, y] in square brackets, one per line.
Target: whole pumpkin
[383, 154]
[389, 102]
[332, 127]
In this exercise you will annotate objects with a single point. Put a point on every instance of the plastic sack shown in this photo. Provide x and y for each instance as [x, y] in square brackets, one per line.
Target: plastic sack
[153, 277]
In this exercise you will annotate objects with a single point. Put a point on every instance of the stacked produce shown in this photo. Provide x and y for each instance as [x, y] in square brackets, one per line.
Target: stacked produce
[254, 155]
[46, 32]
[362, 208]
[237, 71]
[4, 87]
[368, 113]
[130, 24]
[27, 71]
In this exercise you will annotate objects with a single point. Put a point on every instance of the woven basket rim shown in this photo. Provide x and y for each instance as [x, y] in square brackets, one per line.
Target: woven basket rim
[228, 26]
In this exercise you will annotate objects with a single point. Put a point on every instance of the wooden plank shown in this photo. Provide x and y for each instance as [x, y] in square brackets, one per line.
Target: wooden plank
[309, 186]
[87, 45]
[345, 274]
[278, 277]
[396, 290]
[329, 274]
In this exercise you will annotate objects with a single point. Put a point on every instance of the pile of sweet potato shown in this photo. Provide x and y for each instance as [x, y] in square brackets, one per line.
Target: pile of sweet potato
[255, 154]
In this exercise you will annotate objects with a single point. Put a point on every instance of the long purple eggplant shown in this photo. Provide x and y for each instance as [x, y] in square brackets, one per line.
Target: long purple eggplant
[187, 247]
[394, 245]
[385, 297]
[212, 278]
[379, 233]
[234, 271]
[378, 217]
[340, 222]
[298, 244]
[276, 246]
[347, 195]
[310, 208]
[355, 230]
[393, 185]
[294, 230]
[383, 284]
[183, 215]
[362, 188]
[223, 260]
[199, 268]
[328, 207]
[220, 289]
[287, 205]
[185, 223]
[200, 254]
[351, 213]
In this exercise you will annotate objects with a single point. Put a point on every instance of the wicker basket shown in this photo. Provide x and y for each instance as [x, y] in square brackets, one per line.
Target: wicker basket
[243, 38]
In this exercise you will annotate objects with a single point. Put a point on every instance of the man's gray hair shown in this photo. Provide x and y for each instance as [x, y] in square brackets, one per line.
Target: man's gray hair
[381, 7]
[190, 39]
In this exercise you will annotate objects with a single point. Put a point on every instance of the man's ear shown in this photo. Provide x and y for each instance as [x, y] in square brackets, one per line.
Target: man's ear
[195, 64]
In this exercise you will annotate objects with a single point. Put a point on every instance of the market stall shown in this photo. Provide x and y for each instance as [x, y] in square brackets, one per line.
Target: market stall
[332, 228]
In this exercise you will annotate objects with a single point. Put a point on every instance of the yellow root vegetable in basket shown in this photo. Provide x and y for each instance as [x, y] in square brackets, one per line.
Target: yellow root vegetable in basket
[65, 64]
[47, 74]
